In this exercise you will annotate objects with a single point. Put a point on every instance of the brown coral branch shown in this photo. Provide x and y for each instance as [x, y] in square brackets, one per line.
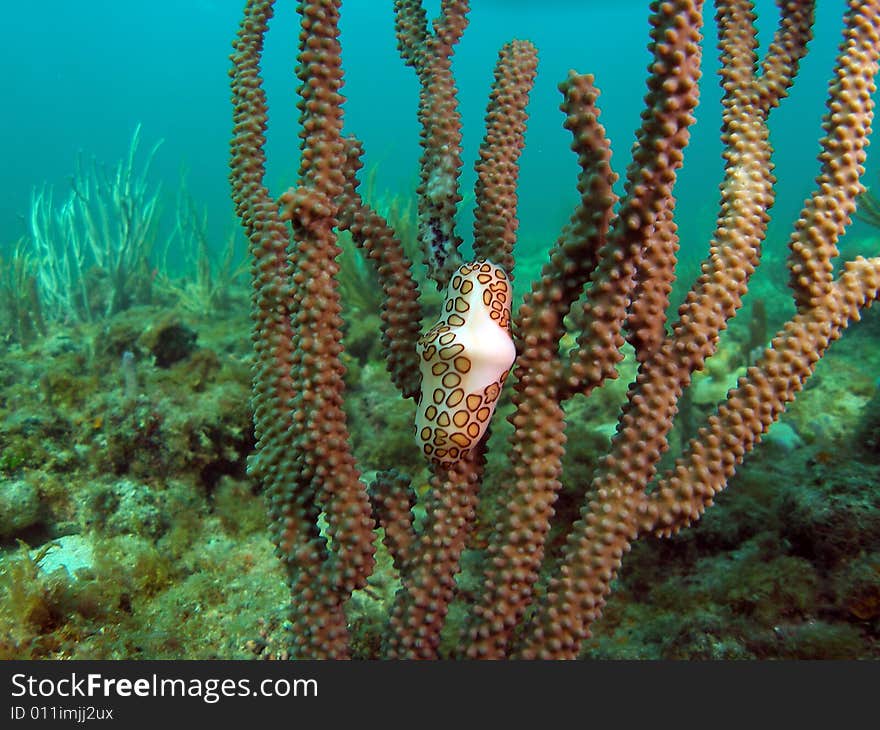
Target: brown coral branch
[401, 313]
[575, 254]
[606, 275]
[393, 500]
[756, 403]
[303, 455]
[847, 124]
[671, 98]
[784, 367]
[609, 521]
[789, 46]
[495, 220]
[429, 583]
[276, 382]
[646, 323]
[411, 25]
[431, 56]
[537, 445]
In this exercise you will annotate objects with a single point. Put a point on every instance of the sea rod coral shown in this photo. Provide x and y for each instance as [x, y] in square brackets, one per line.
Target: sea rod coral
[607, 279]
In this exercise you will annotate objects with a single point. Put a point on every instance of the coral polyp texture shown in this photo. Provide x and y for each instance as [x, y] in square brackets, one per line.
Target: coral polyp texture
[604, 287]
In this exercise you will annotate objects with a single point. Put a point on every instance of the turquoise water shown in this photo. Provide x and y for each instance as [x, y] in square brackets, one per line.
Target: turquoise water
[78, 76]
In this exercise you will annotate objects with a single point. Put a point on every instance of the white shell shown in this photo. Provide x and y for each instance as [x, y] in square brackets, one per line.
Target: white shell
[464, 359]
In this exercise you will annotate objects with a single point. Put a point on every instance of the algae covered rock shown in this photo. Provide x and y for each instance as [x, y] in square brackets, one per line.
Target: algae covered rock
[73, 553]
[169, 340]
[125, 507]
[831, 517]
[19, 506]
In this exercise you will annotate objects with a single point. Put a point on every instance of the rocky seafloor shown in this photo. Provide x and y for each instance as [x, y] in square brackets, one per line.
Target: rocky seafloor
[130, 529]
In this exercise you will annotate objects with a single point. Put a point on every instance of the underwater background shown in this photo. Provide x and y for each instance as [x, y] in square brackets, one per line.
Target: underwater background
[84, 74]
[128, 525]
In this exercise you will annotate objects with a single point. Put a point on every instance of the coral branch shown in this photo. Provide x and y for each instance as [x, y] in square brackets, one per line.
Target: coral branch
[401, 313]
[789, 46]
[758, 400]
[420, 610]
[431, 56]
[303, 453]
[671, 98]
[393, 502]
[607, 278]
[847, 126]
[495, 220]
